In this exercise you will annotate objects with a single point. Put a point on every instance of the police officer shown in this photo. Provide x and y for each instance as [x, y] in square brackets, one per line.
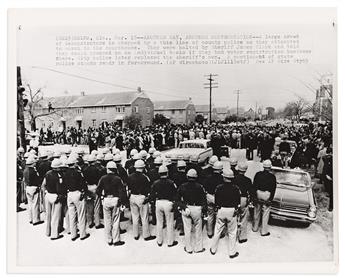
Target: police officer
[111, 188]
[131, 168]
[164, 193]
[43, 166]
[233, 164]
[150, 160]
[93, 203]
[100, 164]
[193, 164]
[265, 184]
[76, 190]
[245, 186]
[210, 184]
[192, 203]
[227, 200]
[208, 170]
[31, 180]
[139, 187]
[130, 162]
[53, 183]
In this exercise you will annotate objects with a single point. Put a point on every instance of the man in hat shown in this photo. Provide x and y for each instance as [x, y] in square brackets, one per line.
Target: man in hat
[76, 190]
[192, 203]
[43, 166]
[164, 194]
[208, 170]
[113, 192]
[210, 184]
[194, 164]
[93, 202]
[150, 160]
[53, 184]
[227, 200]
[31, 180]
[245, 186]
[139, 188]
[131, 168]
[130, 162]
[265, 184]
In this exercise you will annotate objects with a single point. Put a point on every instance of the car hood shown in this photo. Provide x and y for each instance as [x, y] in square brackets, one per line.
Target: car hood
[184, 151]
[294, 196]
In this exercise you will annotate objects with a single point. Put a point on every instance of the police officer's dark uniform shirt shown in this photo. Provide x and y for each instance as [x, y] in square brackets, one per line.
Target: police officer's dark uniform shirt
[31, 177]
[244, 184]
[153, 175]
[265, 181]
[131, 169]
[179, 178]
[234, 170]
[139, 184]
[92, 174]
[149, 163]
[43, 167]
[164, 189]
[212, 182]
[74, 180]
[227, 195]
[122, 173]
[111, 185]
[172, 169]
[55, 184]
[102, 170]
[192, 193]
[196, 167]
[129, 163]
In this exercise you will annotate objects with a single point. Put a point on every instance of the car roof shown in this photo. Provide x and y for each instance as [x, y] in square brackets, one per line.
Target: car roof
[196, 141]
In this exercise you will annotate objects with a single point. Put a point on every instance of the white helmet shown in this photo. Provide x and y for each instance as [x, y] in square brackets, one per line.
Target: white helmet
[91, 158]
[94, 153]
[20, 150]
[108, 157]
[116, 150]
[71, 160]
[56, 163]
[30, 160]
[111, 165]
[152, 150]
[43, 154]
[26, 155]
[158, 160]
[100, 156]
[117, 158]
[192, 173]
[136, 156]
[233, 161]
[181, 163]
[228, 173]
[143, 153]
[242, 166]
[162, 169]
[267, 164]
[212, 159]
[218, 166]
[139, 164]
[133, 152]
[156, 154]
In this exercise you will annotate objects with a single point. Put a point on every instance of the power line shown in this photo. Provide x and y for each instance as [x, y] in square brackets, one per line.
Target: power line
[211, 85]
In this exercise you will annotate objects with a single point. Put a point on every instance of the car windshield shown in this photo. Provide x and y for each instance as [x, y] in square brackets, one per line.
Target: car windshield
[292, 178]
[191, 145]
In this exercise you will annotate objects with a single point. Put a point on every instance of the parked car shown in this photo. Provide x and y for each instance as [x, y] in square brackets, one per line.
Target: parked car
[199, 148]
[294, 198]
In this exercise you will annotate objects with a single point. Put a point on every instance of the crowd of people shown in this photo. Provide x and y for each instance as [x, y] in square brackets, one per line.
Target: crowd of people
[77, 190]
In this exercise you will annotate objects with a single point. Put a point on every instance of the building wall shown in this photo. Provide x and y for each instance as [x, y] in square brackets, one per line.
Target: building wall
[190, 114]
[176, 116]
[145, 109]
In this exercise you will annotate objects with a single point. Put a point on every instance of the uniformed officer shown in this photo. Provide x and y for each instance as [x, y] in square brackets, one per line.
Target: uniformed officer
[227, 200]
[31, 180]
[53, 184]
[210, 184]
[93, 203]
[193, 164]
[43, 166]
[111, 188]
[130, 162]
[131, 168]
[150, 160]
[265, 184]
[208, 170]
[192, 203]
[164, 193]
[76, 199]
[139, 187]
[100, 164]
[245, 186]
[233, 164]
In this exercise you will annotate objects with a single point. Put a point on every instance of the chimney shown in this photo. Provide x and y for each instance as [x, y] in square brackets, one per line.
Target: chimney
[82, 93]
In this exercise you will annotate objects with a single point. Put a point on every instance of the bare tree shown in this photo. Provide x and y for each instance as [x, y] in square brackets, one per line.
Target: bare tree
[297, 108]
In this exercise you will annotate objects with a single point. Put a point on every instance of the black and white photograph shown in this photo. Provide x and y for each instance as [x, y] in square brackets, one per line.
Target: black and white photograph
[174, 137]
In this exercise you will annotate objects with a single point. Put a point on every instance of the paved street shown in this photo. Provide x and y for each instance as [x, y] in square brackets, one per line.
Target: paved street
[287, 243]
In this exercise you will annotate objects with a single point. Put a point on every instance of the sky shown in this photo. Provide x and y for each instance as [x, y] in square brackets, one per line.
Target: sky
[261, 85]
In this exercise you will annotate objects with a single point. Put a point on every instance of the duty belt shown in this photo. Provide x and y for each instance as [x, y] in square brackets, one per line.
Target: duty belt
[110, 196]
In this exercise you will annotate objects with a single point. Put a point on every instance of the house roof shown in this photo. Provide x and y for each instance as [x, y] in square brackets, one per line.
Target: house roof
[203, 108]
[108, 99]
[171, 105]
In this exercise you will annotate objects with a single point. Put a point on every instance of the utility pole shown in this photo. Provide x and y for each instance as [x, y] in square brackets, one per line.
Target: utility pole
[237, 92]
[256, 109]
[210, 85]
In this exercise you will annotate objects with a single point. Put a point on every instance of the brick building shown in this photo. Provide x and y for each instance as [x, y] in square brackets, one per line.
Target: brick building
[92, 110]
[178, 111]
[204, 110]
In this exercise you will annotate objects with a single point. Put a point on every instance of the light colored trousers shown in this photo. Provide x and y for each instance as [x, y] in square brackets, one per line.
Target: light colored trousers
[64, 219]
[111, 213]
[164, 209]
[261, 213]
[225, 219]
[53, 217]
[93, 207]
[211, 215]
[242, 233]
[76, 213]
[193, 220]
[138, 209]
[33, 204]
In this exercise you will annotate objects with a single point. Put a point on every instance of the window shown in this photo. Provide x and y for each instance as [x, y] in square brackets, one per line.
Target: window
[172, 111]
[94, 123]
[147, 110]
[181, 111]
[118, 109]
[80, 111]
[123, 109]
[135, 109]
[104, 109]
